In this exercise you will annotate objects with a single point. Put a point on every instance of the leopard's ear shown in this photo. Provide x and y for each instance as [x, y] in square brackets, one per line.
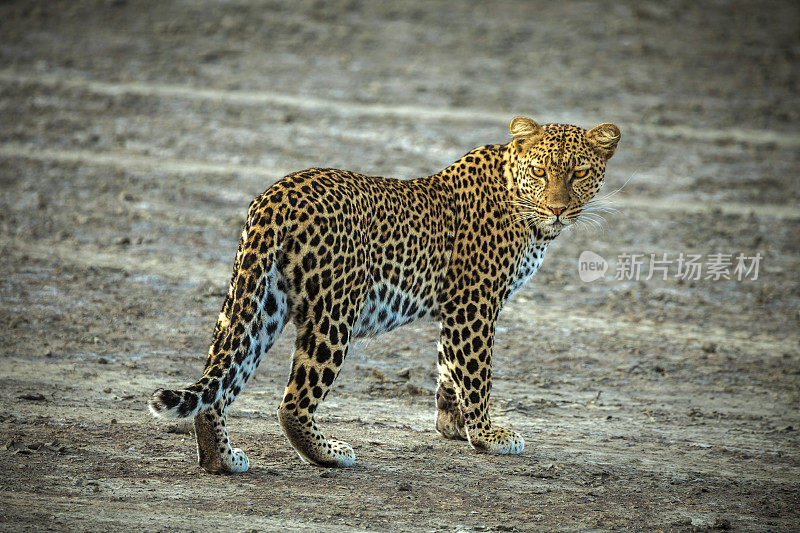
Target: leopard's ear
[604, 139]
[526, 133]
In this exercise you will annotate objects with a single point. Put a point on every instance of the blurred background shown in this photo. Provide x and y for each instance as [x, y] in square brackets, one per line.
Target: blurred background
[133, 134]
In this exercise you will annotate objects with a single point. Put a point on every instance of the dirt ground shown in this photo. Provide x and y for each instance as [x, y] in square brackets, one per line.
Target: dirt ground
[134, 134]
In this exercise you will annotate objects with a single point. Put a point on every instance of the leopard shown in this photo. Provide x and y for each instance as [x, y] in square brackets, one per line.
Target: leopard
[344, 256]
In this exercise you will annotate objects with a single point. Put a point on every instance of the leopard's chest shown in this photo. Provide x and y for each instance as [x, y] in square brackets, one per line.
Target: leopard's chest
[526, 266]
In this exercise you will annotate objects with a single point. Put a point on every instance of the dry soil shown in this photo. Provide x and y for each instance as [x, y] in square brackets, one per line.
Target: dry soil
[134, 135]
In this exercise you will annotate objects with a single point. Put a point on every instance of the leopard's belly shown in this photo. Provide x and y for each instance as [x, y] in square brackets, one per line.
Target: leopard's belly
[386, 308]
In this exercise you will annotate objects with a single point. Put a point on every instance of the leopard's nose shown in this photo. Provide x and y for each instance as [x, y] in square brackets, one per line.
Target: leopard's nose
[557, 210]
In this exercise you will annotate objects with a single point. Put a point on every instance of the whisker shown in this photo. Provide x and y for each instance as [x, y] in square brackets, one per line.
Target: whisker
[615, 191]
[599, 206]
[592, 216]
[593, 224]
[595, 216]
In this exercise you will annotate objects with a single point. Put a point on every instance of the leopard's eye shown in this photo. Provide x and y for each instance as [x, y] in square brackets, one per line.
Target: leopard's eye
[579, 174]
[539, 172]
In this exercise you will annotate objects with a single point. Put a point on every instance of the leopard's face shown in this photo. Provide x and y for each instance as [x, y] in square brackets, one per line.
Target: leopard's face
[559, 170]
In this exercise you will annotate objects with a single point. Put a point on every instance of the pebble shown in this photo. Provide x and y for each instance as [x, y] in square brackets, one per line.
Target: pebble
[181, 429]
[415, 390]
[38, 397]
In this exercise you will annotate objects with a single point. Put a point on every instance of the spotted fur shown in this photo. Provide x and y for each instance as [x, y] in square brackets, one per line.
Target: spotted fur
[345, 256]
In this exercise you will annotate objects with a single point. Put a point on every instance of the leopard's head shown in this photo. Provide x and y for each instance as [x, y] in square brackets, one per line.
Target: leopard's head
[559, 170]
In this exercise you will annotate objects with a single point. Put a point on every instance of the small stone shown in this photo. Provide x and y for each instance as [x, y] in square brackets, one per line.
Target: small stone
[403, 486]
[113, 421]
[107, 390]
[709, 347]
[328, 474]
[721, 523]
[377, 374]
[102, 361]
[38, 397]
[415, 390]
[181, 429]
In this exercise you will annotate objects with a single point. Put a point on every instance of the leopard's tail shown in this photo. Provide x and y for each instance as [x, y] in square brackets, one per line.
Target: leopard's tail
[181, 403]
[252, 317]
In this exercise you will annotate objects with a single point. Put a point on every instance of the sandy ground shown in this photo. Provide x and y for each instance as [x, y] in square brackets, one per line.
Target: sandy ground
[135, 133]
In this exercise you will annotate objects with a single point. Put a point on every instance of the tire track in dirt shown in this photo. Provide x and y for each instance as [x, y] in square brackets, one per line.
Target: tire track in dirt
[187, 166]
[138, 161]
[418, 112]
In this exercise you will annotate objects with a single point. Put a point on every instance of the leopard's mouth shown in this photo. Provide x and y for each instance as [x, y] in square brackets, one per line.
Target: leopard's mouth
[552, 225]
[559, 222]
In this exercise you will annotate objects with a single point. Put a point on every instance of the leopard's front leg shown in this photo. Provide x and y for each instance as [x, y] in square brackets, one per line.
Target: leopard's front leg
[466, 356]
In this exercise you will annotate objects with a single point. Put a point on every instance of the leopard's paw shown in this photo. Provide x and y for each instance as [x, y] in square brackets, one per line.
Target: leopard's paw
[343, 453]
[231, 461]
[238, 461]
[497, 440]
[312, 446]
[214, 452]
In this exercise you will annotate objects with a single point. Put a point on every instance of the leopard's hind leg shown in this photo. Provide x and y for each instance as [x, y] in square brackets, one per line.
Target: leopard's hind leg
[253, 315]
[214, 451]
[325, 318]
